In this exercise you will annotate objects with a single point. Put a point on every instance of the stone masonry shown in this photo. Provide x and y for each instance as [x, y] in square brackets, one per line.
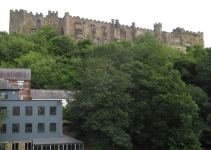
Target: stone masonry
[99, 31]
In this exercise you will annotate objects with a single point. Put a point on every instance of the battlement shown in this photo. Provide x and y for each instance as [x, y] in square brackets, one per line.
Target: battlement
[53, 13]
[181, 30]
[158, 24]
[21, 11]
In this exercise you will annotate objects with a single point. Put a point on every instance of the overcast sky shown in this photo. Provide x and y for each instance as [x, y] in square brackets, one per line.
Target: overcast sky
[188, 14]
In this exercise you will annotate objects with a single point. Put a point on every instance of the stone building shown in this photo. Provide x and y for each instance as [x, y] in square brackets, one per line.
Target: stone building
[99, 31]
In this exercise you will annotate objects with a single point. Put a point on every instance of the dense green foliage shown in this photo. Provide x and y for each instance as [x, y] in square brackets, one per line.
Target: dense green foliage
[146, 94]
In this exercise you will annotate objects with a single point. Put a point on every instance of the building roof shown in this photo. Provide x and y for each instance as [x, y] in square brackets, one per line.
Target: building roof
[50, 94]
[6, 85]
[15, 73]
[55, 141]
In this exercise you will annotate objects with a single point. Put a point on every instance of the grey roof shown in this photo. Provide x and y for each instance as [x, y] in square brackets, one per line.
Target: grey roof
[6, 85]
[15, 73]
[63, 140]
[50, 94]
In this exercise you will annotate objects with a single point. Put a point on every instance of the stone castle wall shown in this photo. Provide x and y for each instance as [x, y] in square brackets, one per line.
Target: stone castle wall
[81, 28]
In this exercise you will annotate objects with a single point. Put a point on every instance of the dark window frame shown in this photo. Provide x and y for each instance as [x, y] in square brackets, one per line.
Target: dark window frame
[3, 109]
[39, 112]
[18, 127]
[13, 110]
[26, 111]
[6, 95]
[38, 128]
[5, 128]
[50, 111]
[25, 127]
[50, 127]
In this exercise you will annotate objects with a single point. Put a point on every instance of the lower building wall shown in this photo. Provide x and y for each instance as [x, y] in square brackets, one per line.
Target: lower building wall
[21, 144]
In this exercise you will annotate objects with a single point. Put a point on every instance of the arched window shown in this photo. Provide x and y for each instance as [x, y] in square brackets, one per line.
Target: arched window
[38, 23]
[98, 41]
[62, 31]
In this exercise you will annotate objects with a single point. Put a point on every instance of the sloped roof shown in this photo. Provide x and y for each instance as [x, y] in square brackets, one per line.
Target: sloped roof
[6, 85]
[15, 73]
[56, 141]
[50, 94]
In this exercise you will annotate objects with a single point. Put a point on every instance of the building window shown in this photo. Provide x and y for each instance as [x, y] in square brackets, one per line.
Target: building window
[88, 37]
[32, 32]
[178, 49]
[15, 128]
[52, 110]
[16, 111]
[15, 146]
[41, 127]
[168, 38]
[3, 128]
[20, 84]
[177, 40]
[53, 23]
[28, 146]
[188, 44]
[172, 38]
[52, 127]
[98, 41]
[28, 111]
[4, 95]
[15, 30]
[3, 108]
[41, 110]
[38, 23]
[28, 128]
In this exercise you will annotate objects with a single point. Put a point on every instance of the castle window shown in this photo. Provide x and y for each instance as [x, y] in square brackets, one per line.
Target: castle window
[38, 23]
[178, 49]
[172, 38]
[177, 40]
[188, 44]
[32, 32]
[15, 30]
[62, 31]
[98, 41]
[168, 38]
[88, 37]
[53, 23]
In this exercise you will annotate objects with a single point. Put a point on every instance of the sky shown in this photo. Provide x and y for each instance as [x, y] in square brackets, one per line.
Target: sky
[188, 14]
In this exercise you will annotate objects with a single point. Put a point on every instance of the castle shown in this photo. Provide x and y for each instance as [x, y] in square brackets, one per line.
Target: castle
[99, 31]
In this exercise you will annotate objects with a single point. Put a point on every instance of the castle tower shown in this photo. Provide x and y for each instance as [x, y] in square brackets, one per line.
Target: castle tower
[16, 21]
[134, 32]
[158, 31]
[67, 24]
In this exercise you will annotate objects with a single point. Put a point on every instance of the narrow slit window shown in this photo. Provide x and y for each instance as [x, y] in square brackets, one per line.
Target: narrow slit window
[98, 41]
[38, 23]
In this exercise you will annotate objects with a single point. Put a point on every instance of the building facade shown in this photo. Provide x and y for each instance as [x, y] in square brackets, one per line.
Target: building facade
[32, 124]
[98, 31]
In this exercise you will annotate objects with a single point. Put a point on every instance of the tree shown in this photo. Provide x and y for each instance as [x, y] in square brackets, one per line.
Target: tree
[125, 43]
[163, 114]
[101, 109]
